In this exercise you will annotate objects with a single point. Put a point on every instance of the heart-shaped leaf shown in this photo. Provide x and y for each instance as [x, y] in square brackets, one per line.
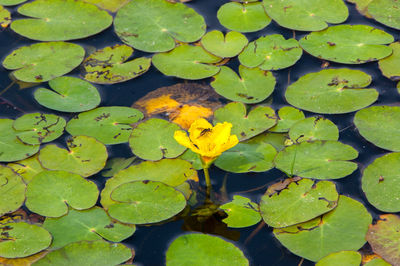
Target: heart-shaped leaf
[314, 128]
[229, 45]
[242, 212]
[287, 117]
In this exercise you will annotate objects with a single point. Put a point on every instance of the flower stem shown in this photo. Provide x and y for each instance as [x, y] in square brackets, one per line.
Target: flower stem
[208, 181]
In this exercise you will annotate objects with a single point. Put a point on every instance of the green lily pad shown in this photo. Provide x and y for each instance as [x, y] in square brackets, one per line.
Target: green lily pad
[246, 17]
[385, 12]
[110, 125]
[229, 45]
[60, 20]
[154, 140]
[242, 212]
[384, 238]
[318, 159]
[85, 156]
[380, 125]
[377, 262]
[44, 61]
[187, 62]
[287, 117]
[11, 148]
[27, 168]
[193, 158]
[111, 5]
[11, 2]
[153, 25]
[108, 66]
[22, 239]
[314, 128]
[5, 17]
[98, 253]
[381, 183]
[116, 164]
[271, 52]
[245, 126]
[201, 249]
[277, 140]
[254, 85]
[68, 94]
[297, 201]
[306, 15]
[38, 128]
[91, 224]
[390, 66]
[344, 228]
[362, 6]
[144, 202]
[51, 192]
[12, 191]
[332, 91]
[348, 44]
[342, 258]
[172, 172]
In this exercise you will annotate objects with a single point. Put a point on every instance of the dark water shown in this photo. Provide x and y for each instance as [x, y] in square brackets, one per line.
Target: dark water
[262, 248]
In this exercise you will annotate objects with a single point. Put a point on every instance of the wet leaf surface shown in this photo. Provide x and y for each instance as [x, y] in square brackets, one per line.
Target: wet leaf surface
[345, 258]
[111, 5]
[242, 212]
[389, 66]
[5, 17]
[12, 191]
[385, 12]
[287, 117]
[11, 2]
[27, 168]
[229, 45]
[314, 128]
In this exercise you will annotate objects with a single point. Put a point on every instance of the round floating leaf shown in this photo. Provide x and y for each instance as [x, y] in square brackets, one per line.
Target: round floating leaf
[116, 164]
[277, 140]
[27, 168]
[143, 202]
[381, 183]
[108, 66]
[245, 125]
[344, 228]
[99, 253]
[377, 262]
[385, 12]
[60, 20]
[384, 238]
[153, 140]
[68, 94]
[11, 2]
[344, 258]
[271, 52]
[11, 148]
[246, 17]
[287, 117]
[12, 191]
[85, 156]
[44, 61]
[92, 224]
[306, 15]
[229, 45]
[314, 128]
[319, 160]
[297, 201]
[5, 17]
[22, 239]
[172, 172]
[37, 128]
[390, 66]
[152, 25]
[110, 125]
[254, 85]
[332, 91]
[23, 261]
[111, 5]
[348, 44]
[201, 249]
[380, 125]
[187, 62]
[242, 212]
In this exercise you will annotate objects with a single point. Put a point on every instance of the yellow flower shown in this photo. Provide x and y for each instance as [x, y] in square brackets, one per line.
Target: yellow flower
[206, 140]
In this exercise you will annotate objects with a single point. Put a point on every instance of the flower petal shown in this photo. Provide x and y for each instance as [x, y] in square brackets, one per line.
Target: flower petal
[197, 127]
[182, 138]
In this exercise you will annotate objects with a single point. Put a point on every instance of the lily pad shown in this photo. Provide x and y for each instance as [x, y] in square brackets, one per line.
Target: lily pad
[254, 85]
[229, 45]
[85, 156]
[314, 128]
[51, 192]
[116, 164]
[153, 25]
[377, 262]
[246, 17]
[110, 125]
[193, 158]
[11, 2]
[344, 258]
[385, 12]
[68, 94]
[287, 117]
[318, 159]
[187, 62]
[344, 228]
[111, 5]
[5, 17]
[306, 15]
[362, 6]
[201, 249]
[390, 66]
[22, 239]
[297, 201]
[144, 202]
[27, 168]
[380, 125]
[271, 52]
[108, 66]
[277, 140]
[44, 61]
[98, 253]
[12, 191]
[332, 91]
[348, 44]
[11, 148]
[91, 224]
[245, 126]
[38, 128]
[242, 212]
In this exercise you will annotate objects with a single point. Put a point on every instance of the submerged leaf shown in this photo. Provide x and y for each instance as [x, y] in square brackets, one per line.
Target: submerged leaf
[242, 212]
